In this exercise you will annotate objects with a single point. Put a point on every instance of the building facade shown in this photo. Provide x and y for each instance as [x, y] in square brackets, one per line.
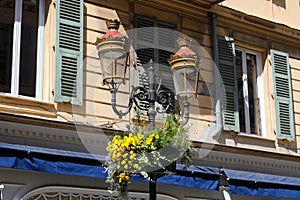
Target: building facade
[56, 116]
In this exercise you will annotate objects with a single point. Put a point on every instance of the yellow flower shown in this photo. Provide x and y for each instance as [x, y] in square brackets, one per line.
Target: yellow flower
[125, 155]
[122, 148]
[122, 177]
[132, 156]
[135, 166]
[157, 136]
[149, 139]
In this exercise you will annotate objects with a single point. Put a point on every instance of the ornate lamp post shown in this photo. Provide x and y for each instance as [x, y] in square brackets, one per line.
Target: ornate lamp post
[113, 54]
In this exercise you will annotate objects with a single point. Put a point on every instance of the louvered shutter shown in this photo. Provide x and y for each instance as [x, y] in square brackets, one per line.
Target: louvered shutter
[167, 38]
[283, 96]
[144, 46]
[156, 44]
[145, 39]
[227, 69]
[69, 51]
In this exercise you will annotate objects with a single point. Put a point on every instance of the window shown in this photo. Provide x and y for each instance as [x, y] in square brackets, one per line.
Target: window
[156, 44]
[241, 71]
[155, 40]
[247, 73]
[21, 33]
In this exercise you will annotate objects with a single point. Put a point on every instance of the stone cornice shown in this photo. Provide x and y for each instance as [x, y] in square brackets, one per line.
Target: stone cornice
[237, 20]
[51, 123]
[219, 157]
[247, 151]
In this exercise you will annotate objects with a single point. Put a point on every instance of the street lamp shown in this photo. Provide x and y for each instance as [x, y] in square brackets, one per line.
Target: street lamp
[185, 75]
[113, 54]
[112, 51]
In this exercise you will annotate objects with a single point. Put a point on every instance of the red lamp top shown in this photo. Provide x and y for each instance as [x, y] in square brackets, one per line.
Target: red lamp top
[112, 33]
[184, 51]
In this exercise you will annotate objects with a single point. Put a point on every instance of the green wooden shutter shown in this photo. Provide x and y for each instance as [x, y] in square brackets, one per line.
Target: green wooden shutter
[227, 69]
[69, 51]
[283, 96]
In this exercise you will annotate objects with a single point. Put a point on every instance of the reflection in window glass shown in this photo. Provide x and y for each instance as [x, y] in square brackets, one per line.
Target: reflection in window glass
[6, 40]
[252, 91]
[28, 48]
[239, 71]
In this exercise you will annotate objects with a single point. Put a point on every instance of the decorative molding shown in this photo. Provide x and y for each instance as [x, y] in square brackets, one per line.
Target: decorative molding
[80, 139]
[244, 162]
[59, 192]
[38, 132]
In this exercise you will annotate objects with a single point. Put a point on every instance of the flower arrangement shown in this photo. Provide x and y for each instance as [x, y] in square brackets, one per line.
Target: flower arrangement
[143, 152]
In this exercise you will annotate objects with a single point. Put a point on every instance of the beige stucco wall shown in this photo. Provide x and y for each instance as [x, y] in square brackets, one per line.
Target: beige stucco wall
[280, 11]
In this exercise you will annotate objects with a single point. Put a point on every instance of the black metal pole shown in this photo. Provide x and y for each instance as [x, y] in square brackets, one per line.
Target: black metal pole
[152, 96]
[152, 187]
[151, 115]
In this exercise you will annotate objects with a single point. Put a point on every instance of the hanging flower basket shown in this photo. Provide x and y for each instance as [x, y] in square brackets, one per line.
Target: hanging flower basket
[146, 152]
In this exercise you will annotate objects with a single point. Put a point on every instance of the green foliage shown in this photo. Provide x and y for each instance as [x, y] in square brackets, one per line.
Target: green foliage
[142, 152]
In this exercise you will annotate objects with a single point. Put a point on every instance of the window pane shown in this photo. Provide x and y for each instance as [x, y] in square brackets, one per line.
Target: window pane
[28, 48]
[239, 75]
[6, 40]
[252, 92]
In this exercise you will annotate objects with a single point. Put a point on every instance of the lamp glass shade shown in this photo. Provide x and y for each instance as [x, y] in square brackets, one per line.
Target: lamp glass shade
[185, 71]
[185, 81]
[113, 58]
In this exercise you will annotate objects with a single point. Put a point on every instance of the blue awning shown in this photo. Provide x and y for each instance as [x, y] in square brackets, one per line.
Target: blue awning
[194, 177]
[85, 164]
[50, 160]
[259, 184]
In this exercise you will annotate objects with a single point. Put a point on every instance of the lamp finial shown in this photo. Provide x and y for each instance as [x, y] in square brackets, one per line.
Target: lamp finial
[183, 42]
[113, 24]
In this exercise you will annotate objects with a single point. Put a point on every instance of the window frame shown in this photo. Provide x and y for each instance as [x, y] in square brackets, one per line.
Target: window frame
[16, 51]
[260, 89]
